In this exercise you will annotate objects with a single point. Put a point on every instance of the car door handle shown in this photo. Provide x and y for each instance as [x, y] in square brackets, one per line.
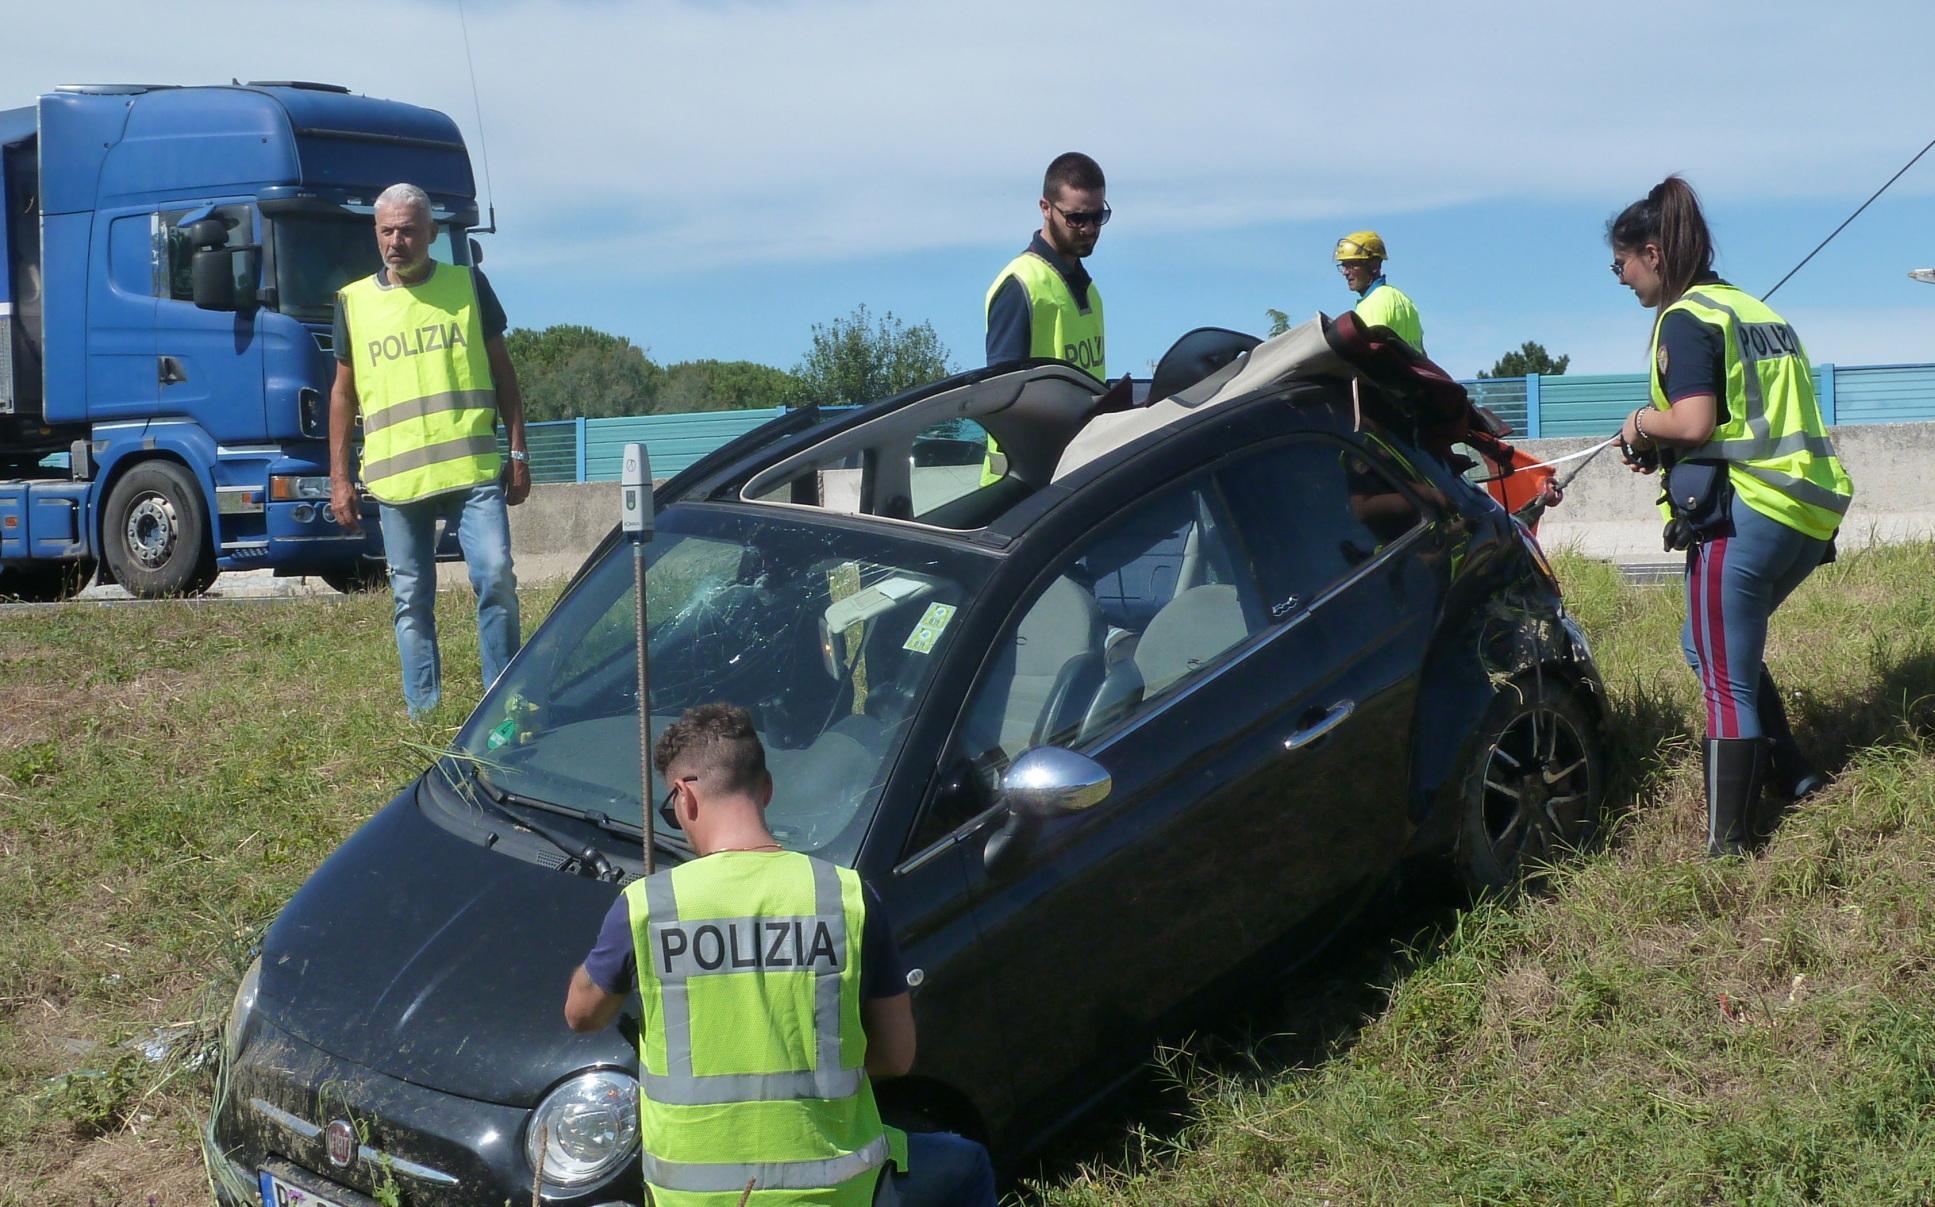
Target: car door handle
[1336, 715]
[170, 371]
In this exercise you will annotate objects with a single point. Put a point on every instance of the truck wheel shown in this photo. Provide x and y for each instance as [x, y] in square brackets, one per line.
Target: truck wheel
[46, 582]
[1532, 787]
[360, 576]
[156, 532]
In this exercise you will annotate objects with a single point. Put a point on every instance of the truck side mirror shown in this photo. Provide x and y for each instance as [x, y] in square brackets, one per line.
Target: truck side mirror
[224, 278]
[209, 232]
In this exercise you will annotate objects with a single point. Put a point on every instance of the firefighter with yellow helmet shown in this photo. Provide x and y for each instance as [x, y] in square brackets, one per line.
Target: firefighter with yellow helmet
[1360, 257]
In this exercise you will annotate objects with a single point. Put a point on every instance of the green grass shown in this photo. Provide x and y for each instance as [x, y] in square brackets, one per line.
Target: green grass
[170, 773]
[1654, 1027]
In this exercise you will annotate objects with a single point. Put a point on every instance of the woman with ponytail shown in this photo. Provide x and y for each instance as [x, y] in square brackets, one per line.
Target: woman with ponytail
[1754, 492]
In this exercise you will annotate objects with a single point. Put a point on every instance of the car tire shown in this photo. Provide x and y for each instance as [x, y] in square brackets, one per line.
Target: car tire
[49, 582]
[1532, 787]
[358, 577]
[156, 534]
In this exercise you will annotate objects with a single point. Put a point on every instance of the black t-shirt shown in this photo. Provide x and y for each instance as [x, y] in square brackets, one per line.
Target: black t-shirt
[493, 311]
[1695, 356]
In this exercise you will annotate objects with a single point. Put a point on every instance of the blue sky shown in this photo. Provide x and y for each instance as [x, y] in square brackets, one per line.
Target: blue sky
[710, 179]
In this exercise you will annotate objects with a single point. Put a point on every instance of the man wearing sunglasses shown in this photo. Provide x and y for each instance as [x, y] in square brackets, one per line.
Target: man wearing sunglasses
[753, 963]
[1044, 304]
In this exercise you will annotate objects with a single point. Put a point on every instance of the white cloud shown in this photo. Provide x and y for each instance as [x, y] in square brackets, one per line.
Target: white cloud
[689, 135]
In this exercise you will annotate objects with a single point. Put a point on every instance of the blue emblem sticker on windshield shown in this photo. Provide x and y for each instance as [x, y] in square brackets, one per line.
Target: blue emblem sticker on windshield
[932, 624]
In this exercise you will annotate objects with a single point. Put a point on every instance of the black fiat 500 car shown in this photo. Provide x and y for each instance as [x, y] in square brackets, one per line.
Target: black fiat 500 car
[1142, 707]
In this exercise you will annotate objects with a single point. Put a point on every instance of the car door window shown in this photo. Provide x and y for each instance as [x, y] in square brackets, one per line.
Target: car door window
[1136, 611]
[1315, 510]
[948, 462]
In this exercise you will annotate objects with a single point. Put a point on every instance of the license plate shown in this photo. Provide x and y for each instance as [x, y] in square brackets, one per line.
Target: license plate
[278, 1193]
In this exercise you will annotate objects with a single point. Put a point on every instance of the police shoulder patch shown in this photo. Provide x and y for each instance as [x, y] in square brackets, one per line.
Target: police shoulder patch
[1659, 358]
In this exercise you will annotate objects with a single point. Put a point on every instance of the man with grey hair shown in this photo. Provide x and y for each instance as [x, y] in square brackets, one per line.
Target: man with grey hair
[420, 355]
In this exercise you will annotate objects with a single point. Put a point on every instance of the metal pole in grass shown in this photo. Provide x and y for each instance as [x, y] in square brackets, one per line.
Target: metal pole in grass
[635, 491]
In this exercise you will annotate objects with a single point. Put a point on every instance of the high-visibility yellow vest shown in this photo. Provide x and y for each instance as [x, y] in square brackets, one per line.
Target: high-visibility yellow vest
[1388, 306]
[1058, 327]
[423, 384]
[751, 1053]
[1779, 457]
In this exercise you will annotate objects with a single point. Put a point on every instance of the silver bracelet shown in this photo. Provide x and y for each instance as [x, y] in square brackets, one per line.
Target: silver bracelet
[1638, 426]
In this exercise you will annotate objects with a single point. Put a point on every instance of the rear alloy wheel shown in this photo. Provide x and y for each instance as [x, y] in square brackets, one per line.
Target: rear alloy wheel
[1531, 794]
[156, 532]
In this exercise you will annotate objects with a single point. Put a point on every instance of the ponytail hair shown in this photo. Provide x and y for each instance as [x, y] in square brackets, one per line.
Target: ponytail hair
[1669, 217]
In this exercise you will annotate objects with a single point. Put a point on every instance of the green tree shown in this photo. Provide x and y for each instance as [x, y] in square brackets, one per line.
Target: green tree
[1279, 321]
[727, 385]
[568, 370]
[860, 358]
[1531, 357]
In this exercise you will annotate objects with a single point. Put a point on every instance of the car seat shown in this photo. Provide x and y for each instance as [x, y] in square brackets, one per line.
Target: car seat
[1044, 678]
[1188, 633]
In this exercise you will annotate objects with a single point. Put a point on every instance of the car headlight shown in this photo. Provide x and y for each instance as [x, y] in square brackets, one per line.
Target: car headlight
[239, 1012]
[589, 1126]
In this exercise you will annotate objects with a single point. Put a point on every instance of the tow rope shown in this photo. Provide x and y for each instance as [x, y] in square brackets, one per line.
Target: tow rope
[1587, 453]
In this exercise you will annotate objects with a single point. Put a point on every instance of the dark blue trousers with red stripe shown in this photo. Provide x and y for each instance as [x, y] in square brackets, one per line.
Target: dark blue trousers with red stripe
[1733, 584]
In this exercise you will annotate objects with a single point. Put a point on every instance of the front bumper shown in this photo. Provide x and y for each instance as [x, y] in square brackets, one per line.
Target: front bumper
[433, 1148]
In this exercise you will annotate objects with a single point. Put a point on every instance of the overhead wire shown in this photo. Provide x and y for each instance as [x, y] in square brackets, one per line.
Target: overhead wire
[477, 106]
[1850, 218]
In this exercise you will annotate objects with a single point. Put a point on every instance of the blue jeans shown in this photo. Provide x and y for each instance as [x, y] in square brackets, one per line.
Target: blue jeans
[947, 1171]
[409, 539]
[1733, 585]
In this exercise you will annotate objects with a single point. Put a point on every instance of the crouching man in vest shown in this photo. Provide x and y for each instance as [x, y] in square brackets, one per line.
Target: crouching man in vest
[770, 991]
[420, 354]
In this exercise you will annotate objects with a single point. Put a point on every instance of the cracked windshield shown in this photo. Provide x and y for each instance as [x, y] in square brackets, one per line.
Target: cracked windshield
[828, 636]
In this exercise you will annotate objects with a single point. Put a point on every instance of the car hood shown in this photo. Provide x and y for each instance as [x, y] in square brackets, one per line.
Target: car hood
[432, 959]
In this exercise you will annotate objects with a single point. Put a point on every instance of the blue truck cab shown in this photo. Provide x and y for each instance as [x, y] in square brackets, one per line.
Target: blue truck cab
[171, 259]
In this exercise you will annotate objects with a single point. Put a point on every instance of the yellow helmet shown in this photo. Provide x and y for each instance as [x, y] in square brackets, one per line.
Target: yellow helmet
[1360, 245]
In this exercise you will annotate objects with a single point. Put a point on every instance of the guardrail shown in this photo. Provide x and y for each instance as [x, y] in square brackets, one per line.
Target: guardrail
[1537, 407]
[1592, 405]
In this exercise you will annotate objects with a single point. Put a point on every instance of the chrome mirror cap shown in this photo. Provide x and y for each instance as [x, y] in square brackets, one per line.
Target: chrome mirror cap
[1048, 781]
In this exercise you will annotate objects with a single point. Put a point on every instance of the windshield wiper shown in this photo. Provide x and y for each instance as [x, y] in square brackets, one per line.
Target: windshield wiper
[591, 861]
[597, 817]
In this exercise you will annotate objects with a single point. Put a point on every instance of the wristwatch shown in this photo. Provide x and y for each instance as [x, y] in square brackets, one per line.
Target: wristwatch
[518, 454]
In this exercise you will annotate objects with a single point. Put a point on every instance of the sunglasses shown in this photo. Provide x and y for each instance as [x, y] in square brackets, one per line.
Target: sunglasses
[665, 810]
[1096, 218]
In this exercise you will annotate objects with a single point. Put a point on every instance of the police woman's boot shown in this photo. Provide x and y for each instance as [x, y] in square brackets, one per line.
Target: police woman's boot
[1736, 772]
[1792, 776]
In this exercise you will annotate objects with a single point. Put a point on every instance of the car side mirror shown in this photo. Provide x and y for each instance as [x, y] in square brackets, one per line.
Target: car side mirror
[223, 278]
[1043, 784]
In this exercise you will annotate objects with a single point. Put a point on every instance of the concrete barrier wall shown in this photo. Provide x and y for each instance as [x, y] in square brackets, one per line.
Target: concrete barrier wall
[1607, 510]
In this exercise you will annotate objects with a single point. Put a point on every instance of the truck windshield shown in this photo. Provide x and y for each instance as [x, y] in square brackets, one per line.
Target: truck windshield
[318, 254]
[828, 635]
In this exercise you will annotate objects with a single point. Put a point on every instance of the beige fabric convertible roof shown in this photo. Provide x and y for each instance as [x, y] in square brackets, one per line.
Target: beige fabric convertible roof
[1299, 353]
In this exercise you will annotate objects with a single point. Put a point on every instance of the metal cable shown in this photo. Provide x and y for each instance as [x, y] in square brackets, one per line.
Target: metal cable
[477, 106]
[1850, 218]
